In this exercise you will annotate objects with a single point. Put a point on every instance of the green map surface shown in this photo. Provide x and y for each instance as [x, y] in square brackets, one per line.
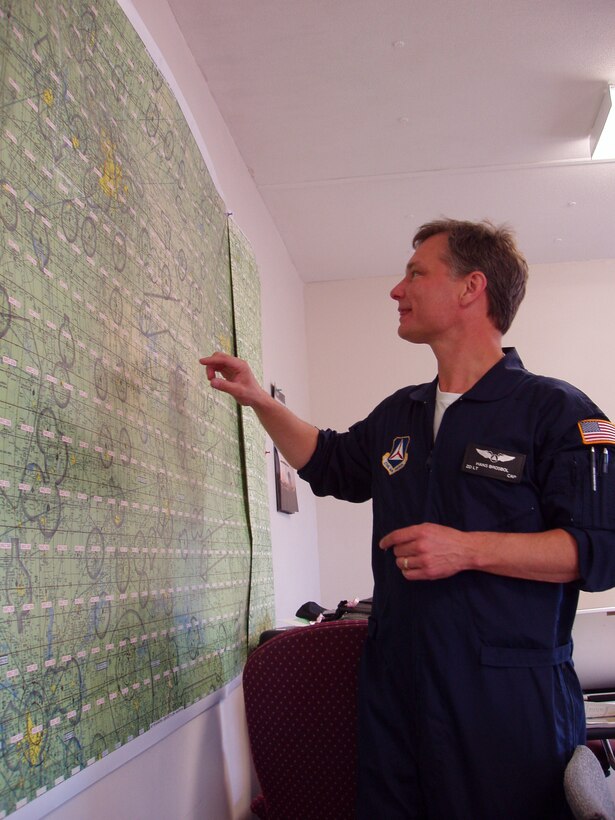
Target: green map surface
[246, 310]
[135, 558]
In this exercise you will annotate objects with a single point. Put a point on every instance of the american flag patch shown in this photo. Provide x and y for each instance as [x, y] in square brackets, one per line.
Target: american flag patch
[597, 431]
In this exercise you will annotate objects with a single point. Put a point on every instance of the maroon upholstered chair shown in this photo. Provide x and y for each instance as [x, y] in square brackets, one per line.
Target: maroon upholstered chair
[300, 690]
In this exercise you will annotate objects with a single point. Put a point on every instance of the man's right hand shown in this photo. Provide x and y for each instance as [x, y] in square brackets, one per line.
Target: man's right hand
[294, 438]
[236, 379]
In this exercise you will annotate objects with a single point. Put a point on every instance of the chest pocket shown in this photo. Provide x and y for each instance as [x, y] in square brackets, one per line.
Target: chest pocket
[497, 506]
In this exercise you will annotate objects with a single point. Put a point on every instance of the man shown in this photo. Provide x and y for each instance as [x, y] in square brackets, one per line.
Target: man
[492, 494]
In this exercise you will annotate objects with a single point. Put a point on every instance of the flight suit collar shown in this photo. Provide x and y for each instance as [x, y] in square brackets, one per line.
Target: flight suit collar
[497, 382]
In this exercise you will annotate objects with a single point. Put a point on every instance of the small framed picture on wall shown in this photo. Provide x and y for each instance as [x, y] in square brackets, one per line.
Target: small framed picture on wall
[285, 482]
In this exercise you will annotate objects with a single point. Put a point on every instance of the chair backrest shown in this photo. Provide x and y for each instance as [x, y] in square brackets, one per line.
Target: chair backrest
[300, 691]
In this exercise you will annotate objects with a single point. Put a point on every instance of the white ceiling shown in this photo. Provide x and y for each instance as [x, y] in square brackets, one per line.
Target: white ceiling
[361, 119]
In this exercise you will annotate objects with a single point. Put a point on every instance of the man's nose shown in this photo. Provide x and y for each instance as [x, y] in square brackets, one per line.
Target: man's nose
[397, 293]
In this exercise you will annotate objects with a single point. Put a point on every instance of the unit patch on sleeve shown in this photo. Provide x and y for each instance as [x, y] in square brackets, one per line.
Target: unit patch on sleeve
[396, 459]
[493, 463]
[597, 431]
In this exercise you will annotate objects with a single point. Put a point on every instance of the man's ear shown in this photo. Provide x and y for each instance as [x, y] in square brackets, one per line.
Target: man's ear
[475, 284]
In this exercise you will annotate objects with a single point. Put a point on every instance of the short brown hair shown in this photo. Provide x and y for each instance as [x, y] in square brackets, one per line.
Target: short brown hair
[488, 248]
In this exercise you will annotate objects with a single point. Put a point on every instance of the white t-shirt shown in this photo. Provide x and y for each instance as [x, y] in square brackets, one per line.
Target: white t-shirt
[443, 400]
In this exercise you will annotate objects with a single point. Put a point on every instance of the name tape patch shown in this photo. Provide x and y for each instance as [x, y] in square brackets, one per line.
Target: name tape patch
[500, 464]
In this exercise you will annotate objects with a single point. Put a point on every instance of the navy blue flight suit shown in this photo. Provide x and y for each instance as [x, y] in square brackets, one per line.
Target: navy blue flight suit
[470, 707]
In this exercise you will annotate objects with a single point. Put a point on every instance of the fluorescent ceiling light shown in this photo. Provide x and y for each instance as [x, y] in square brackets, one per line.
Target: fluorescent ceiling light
[602, 135]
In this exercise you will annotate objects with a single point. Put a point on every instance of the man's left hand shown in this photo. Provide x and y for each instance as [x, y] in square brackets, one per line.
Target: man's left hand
[426, 552]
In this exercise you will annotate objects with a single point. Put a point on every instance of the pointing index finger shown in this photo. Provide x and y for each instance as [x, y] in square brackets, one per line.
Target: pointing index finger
[394, 538]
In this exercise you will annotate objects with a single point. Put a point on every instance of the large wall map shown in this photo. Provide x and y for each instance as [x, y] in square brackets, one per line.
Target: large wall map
[132, 518]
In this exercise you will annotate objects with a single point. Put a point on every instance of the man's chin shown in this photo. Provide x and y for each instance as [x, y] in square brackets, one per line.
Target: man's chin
[408, 335]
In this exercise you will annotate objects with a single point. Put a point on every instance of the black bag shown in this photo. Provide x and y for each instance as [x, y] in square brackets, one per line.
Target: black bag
[356, 609]
[311, 611]
[351, 610]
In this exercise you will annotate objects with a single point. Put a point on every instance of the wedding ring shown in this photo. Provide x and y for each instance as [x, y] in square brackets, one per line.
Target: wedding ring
[405, 564]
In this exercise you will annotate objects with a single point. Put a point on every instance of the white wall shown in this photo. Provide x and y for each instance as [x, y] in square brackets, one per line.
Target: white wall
[564, 328]
[203, 768]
